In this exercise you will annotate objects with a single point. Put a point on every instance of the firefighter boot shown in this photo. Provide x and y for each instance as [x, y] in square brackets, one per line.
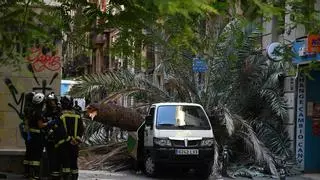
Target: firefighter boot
[74, 176]
[66, 176]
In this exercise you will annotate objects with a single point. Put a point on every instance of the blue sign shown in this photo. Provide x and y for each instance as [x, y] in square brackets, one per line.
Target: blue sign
[199, 65]
[301, 56]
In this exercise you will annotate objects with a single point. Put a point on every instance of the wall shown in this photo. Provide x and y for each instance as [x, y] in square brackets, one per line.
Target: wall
[41, 73]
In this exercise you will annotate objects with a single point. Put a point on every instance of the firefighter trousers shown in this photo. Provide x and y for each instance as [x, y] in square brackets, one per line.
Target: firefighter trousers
[26, 160]
[66, 162]
[36, 150]
[74, 153]
[52, 156]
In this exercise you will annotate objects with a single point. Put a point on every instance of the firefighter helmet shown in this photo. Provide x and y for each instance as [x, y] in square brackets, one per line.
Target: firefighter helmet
[66, 102]
[51, 100]
[52, 96]
[38, 98]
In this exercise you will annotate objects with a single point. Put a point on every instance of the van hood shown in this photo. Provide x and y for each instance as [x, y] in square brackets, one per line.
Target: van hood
[184, 134]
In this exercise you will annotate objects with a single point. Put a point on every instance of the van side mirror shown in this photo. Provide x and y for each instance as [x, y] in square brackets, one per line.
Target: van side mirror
[149, 121]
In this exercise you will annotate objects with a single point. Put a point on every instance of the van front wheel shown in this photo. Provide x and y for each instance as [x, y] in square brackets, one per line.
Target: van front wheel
[150, 167]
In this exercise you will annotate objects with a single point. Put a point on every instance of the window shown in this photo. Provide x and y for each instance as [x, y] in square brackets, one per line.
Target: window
[181, 117]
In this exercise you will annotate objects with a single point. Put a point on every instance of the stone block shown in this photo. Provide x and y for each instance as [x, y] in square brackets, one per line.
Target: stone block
[3, 86]
[8, 137]
[23, 84]
[2, 119]
[8, 71]
[289, 99]
[5, 98]
[11, 163]
[291, 116]
[20, 140]
[289, 84]
[11, 120]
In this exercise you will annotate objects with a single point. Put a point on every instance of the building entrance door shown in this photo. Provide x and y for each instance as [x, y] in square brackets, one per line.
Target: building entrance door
[312, 124]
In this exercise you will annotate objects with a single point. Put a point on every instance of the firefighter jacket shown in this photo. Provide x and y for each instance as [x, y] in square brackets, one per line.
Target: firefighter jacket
[50, 115]
[70, 128]
[36, 116]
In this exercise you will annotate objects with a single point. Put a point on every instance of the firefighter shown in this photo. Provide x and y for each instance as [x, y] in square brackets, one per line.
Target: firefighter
[52, 113]
[77, 108]
[27, 111]
[69, 137]
[36, 123]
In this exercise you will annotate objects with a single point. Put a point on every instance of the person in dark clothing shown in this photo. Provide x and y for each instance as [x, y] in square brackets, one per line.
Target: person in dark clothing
[52, 113]
[77, 108]
[36, 124]
[24, 129]
[68, 138]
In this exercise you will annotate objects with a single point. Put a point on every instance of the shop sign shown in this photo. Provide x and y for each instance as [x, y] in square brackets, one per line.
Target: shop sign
[314, 43]
[301, 117]
[301, 54]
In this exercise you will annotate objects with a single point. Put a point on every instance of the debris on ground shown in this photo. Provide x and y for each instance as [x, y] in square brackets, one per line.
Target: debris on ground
[112, 157]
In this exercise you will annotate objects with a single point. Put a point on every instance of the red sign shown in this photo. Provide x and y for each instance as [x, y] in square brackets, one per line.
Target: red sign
[313, 43]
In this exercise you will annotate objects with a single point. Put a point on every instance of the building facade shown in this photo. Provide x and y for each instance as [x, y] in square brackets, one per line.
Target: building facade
[301, 93]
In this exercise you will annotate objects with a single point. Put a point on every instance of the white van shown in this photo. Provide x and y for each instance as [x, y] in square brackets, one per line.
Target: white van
[176, 134]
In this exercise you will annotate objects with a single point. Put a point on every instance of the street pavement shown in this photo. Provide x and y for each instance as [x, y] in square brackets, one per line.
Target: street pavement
[165, 175]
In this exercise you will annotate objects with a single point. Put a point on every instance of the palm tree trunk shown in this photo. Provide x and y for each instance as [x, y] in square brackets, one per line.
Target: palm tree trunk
[114, 115]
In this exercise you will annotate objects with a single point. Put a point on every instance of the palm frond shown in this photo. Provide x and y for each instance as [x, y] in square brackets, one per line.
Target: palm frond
[229, 122]
[274, 138]
[262, 153]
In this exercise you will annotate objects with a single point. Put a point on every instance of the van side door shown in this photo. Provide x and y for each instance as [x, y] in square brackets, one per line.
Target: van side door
[149, 130]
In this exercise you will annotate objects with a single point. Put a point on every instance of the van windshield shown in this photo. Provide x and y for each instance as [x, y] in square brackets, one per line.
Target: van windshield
[181, 117]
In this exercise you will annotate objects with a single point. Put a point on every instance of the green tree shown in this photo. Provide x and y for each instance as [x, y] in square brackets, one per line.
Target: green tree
[23, 24]
[242, 94]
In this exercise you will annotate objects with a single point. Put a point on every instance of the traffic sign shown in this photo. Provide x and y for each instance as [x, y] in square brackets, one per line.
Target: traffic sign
[199, 65]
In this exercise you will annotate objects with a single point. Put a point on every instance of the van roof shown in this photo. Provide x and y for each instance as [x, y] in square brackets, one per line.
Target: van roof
[176, 103]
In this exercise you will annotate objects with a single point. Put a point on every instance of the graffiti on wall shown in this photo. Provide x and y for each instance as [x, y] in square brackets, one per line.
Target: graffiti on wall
[15, 94]
[19, 98]
[41, 60]
[44, 84]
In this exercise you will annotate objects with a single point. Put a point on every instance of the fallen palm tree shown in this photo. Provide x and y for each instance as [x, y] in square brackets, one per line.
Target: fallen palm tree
[114, 115]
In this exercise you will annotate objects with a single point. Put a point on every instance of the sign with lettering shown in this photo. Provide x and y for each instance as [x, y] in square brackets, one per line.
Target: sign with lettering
[199, 65]
[301, 54]
[301, 117]
[314, 43]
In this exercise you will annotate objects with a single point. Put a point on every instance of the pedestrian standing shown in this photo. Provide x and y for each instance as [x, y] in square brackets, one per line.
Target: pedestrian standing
[24, 129]
[36, 124]
[52, 113]
[69, 137]
[77, 108]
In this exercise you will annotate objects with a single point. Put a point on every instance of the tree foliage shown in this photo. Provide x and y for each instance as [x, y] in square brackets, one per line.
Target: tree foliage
[242, 94]
[140, 23]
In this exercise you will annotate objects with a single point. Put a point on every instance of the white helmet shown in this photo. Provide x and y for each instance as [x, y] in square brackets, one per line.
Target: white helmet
[38, 98]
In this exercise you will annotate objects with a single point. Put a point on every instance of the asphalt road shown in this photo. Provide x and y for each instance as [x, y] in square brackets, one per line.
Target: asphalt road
[165, 175]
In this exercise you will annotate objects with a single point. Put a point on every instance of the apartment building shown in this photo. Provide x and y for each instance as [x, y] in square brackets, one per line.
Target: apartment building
[301, 93]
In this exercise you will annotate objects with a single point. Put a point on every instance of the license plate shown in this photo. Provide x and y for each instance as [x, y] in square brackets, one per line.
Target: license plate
[187, 151]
